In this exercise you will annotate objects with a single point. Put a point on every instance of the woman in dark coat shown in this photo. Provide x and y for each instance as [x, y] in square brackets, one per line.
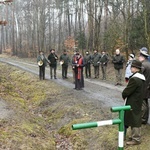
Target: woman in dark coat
[133, 96]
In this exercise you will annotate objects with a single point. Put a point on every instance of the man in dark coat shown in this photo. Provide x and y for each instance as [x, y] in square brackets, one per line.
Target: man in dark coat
[143, 57]
[96, 62]
[87, 61]
[73, 62]
[64, 61]
[42, 63]
[133, 96]
[103, 61]
[78, 69]
[118, 61]
[53, 63]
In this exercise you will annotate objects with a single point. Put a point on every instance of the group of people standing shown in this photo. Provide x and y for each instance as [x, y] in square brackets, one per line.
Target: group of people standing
[136, 94]
[43, 61]
[137, 77]
[137, 91]
[95, 59]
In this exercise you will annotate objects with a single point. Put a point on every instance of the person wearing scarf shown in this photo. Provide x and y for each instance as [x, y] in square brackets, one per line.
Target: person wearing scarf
[133, 96]
[78, 68]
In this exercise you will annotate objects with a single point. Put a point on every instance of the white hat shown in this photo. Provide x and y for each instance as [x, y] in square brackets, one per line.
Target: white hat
[132, 55]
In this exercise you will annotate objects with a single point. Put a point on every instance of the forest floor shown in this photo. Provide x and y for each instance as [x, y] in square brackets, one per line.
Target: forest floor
[38, 115]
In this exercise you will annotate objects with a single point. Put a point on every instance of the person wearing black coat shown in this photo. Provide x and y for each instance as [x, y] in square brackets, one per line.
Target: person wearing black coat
[53, 63]
[103, 61]
[87, 61]
[133, 96]
[64, 62]
[96, 63]
[118, 61]
[143, 57]
[73, 62]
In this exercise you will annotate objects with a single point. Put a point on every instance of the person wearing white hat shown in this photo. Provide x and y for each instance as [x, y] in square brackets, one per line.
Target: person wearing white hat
[128, 72]
[143, 57]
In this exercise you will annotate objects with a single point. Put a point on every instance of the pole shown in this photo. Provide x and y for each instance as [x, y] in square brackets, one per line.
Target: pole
[121, 110]
[119, 121]
[121, 131]
[95, 124]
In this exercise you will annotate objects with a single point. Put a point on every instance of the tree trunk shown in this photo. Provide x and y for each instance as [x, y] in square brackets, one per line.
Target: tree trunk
[90, 25]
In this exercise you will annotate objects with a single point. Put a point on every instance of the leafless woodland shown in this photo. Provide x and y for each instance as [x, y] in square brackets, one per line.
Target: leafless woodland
[27, 26]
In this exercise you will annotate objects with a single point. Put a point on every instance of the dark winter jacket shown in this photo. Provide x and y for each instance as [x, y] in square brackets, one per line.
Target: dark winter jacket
[118, 61]
[87, 59]
[53, 59]
[104, 60]
[96, 59]
[65, 58]
[146, 72]
[133, 95]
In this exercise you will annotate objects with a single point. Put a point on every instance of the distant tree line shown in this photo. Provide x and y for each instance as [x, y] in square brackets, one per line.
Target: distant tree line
[35, 25]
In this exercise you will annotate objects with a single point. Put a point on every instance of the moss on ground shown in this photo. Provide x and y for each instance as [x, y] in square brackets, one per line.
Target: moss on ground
[23, 92]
